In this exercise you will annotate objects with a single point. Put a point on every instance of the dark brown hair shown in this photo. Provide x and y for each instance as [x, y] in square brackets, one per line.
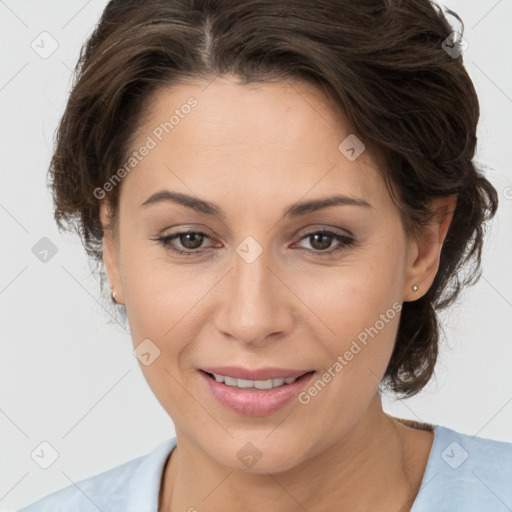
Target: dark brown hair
[382, 62]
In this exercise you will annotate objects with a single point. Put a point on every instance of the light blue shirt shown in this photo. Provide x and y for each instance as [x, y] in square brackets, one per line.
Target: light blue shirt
[463, 474]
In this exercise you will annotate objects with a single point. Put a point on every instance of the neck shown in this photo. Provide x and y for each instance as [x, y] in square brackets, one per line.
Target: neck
[378, 465]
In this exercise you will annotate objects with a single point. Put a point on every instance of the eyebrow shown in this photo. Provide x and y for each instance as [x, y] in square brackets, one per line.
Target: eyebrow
[294, 210]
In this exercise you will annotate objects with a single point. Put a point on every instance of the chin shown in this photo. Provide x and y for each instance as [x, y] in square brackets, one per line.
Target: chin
[248, 455]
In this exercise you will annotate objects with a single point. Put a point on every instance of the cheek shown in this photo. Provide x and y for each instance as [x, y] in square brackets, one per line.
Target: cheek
[162, 307]
[155, 296]
[351, 297]
[359, 306]
[362, 323]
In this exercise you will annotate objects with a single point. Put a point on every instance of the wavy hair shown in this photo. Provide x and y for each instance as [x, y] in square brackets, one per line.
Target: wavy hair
[383, 62]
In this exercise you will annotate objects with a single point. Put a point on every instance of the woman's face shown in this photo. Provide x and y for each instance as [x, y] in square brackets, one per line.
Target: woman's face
[259, 289]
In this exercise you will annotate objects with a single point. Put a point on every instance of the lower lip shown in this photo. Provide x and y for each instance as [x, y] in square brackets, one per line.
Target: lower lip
[255, 402]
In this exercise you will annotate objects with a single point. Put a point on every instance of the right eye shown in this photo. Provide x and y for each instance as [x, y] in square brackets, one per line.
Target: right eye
[190, 242]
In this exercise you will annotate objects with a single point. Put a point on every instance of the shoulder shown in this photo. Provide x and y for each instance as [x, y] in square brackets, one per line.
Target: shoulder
[467, 473]
[132, 486]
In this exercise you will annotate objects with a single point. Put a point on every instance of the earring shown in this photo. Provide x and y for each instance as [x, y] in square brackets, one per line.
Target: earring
[113, 295]
[414, 288]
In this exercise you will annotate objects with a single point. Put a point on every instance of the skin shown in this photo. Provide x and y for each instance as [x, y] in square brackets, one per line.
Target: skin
[253, 150]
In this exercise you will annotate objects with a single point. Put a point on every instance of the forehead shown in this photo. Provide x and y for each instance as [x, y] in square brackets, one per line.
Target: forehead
[257, 139]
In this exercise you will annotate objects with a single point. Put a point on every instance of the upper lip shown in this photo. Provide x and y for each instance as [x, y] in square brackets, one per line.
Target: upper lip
[237, 372]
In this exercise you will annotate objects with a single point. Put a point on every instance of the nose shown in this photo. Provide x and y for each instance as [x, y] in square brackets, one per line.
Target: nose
[256, 305]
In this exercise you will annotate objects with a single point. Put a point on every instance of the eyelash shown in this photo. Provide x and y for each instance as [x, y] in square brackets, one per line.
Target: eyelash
[345, 240]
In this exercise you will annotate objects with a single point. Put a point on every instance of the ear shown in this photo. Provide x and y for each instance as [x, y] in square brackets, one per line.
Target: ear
[110, 251]
[424, 252]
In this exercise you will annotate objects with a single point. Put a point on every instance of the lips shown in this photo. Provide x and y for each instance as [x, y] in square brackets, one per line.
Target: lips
[249, 401]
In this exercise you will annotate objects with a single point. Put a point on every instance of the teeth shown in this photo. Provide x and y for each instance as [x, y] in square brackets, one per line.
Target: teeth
[258, 384]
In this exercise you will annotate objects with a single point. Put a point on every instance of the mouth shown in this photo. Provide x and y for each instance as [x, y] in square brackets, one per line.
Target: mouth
[263, 384]
[255, 397]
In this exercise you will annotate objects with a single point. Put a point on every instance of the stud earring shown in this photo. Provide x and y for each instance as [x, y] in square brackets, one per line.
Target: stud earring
[414, 288]
[113, 295]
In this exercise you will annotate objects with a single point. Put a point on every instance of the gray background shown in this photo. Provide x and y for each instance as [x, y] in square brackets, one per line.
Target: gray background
[68, 374]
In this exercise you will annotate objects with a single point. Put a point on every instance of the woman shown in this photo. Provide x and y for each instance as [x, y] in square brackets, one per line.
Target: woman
[283, 195]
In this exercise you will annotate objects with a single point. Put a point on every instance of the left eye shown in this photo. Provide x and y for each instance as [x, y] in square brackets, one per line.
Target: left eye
[191, 242]
[323, 240]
